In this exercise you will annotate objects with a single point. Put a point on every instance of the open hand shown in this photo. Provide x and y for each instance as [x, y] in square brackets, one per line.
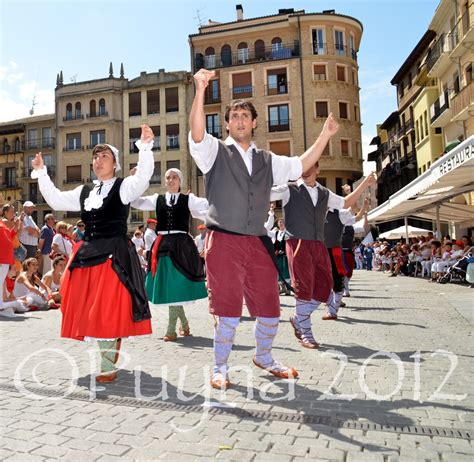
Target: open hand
[37, 163]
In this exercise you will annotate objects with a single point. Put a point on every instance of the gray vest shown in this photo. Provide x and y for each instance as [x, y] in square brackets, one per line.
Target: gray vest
[238, 202]
[333, 230]
[304, 220]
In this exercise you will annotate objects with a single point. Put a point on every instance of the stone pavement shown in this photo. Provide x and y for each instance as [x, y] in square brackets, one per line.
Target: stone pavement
[392, 381]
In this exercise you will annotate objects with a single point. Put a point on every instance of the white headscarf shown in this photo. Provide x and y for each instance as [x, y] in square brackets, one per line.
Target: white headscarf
[115, 152]
[178, 172]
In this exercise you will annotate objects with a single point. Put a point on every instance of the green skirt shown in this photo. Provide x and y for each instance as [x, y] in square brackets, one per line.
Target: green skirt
[171, 287]
[282, 262]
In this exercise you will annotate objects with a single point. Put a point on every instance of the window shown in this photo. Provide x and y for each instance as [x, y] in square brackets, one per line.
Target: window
[157, 139]
[17, 145]
[33, 192]
[172, 99]
[426, 123]
[134, 134]
[338, 186]
[172, 136]
[319, 72]
[102, 111]
[352, 47]
[153, 101]
[226, 55]
[136, 216]
[429, 164]
[319, 42]
[343, 112]
[73, 174]
[242, 85]
[356, 113]
[73, 141]
[278, 118]
[339, 42]
[135, 104]
[322, 109]
[409, 80]
[213, 125]
[32, 138]
[10, 177]
[46, 139]
[282, 148]
[212, 94]
[277, 82]
[210, 58]
[68, 111]
[354, 77]
[341, 74]
[276, 44]
[438, 131]
[77, 111]
[243, 52]
[469, 74]
[92, 108]
[417, 132]
[97, 137]
[456, 87]
[259, 46]
[358, 150]
[345, 148]
[172, 164]
[156, 177]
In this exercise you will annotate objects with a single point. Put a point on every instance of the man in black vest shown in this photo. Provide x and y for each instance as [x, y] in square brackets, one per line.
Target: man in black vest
[306, 203]
[238, 179]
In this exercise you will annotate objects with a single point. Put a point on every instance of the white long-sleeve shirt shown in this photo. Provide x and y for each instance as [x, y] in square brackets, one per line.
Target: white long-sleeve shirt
[198, 206]
[204, 154]
[282, 192]
[131, 188]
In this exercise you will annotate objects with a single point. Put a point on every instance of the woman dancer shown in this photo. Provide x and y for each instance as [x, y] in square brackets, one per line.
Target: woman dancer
[103, 294]
[175, 272]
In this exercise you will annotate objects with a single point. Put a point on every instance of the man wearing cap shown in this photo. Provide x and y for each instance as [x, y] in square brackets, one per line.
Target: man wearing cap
[238, 179]
[30, 232]
[150, 234]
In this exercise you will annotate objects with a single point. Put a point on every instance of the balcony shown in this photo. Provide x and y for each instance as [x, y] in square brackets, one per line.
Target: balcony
[211, 96]
[282, 125]
[440, 111]
[276, 89]
[462, 36]
[245, 91]
[40, 143]
[69, 117]
[438, 57]
[273, 52]
[11, 183]
[405, 129]
[172, 142]
[73, 148]
[463, 104]
[97, 114]
[26, 172]
[334, 50]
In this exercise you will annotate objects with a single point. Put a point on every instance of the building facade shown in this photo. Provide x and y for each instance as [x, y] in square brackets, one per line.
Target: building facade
[296, 68]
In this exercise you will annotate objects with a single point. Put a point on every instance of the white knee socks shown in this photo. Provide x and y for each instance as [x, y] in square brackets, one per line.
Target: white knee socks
[224, 333]
[265, 331]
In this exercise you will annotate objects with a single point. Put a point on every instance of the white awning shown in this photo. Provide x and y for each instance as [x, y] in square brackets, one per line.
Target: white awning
[448, 177]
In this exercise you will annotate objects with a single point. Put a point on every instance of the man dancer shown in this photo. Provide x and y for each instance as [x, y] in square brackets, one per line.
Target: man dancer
[306, 203]
[238, 179]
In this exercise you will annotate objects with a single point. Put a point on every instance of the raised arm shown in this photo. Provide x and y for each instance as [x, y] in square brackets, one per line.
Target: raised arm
[312, 155]
[135, 185]
[68, 201]
[368, 181]
[197, 117]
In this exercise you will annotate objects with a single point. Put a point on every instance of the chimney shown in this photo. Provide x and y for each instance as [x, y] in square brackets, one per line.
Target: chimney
[240, 12]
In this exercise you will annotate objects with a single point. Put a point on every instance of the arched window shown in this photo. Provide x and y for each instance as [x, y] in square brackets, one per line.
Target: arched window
[6, 147]
[92, 108]
[102, 110]
[77, 111]
[277, 44]
[210, 58]
[68, 111]
[243, 52]
[259, 50]
[226, 55]
[17, 144]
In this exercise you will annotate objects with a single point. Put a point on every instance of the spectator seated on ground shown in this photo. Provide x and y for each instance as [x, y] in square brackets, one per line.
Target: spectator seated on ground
[28, 285]
[10, 302]
[52, 280]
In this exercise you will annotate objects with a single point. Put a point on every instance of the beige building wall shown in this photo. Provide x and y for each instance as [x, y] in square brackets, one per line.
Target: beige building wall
[12, 145]
[295, 59]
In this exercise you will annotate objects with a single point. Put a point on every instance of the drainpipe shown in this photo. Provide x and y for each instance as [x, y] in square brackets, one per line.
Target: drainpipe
[302, 86]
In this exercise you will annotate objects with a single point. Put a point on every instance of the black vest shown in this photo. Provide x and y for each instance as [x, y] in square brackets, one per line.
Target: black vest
[110, 220]
[304, 220]
[348, 237]
[174, 218]
[333, 230]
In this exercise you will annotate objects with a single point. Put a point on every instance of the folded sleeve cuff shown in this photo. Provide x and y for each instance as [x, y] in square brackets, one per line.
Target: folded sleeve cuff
[38, 173]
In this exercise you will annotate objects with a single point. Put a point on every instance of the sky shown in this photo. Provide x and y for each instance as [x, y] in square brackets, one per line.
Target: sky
[40, 38]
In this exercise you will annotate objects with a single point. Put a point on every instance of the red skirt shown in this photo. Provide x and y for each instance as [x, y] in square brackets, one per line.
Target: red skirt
[96, 304]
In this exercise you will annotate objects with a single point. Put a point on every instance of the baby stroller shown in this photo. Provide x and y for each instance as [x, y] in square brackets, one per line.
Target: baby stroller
[457, 272]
